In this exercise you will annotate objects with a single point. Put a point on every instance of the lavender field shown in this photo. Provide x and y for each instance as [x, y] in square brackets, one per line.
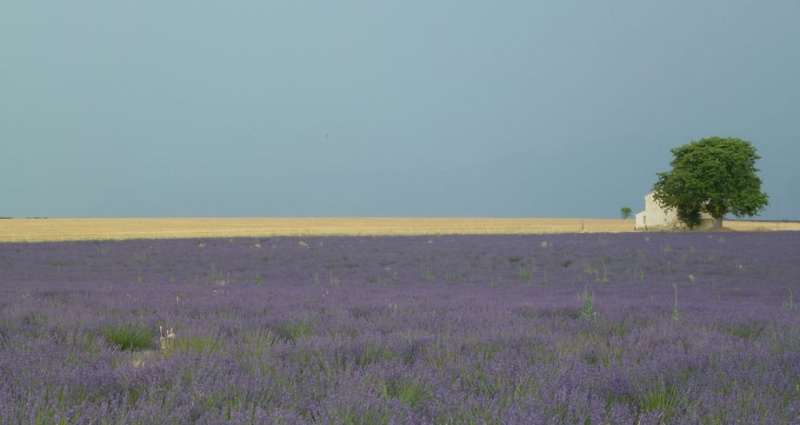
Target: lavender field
[631, 328]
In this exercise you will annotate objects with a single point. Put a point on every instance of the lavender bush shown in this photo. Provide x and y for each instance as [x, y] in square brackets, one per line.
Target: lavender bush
[634, 328]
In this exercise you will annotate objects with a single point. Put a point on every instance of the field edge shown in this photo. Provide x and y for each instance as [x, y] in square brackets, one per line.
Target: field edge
[71, 229]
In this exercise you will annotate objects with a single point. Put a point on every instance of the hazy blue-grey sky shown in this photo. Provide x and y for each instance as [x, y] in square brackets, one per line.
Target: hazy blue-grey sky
[367, 108]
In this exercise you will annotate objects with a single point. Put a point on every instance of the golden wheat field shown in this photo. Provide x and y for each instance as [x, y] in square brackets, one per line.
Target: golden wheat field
[33, 230]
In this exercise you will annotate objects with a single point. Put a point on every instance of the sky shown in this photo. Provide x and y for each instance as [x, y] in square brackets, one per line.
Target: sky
[360, 108]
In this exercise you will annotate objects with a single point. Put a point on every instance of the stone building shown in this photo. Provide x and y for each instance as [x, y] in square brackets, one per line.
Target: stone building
[656, 217]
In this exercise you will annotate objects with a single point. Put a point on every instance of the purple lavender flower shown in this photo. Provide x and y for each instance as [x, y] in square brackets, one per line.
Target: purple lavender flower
[450, 329]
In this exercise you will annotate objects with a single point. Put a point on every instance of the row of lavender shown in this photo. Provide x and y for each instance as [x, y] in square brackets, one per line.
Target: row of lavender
[574, 328]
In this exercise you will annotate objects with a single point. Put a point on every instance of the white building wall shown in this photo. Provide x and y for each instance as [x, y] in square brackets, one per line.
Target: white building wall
[654, 216]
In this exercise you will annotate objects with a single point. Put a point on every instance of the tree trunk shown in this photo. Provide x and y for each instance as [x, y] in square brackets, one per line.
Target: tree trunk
[717, 223]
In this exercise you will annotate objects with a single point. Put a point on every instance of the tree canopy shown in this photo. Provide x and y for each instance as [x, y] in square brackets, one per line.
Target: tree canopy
[714, 175]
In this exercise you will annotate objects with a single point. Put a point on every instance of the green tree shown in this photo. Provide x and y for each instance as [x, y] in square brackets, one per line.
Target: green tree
[625, 212]
[715, 175]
